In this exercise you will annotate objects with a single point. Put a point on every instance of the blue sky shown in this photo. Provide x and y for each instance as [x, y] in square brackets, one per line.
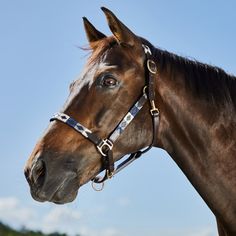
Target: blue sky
[39, 57]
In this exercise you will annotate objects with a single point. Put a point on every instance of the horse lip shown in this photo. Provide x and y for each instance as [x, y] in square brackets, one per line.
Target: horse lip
[38, 196]
[57, 194]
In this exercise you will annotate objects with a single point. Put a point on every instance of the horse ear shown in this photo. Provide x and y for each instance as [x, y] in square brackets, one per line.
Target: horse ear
[92, 33]
[119, 30]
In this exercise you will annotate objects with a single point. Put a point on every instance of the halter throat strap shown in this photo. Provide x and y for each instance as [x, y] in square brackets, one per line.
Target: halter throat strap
[105, 146]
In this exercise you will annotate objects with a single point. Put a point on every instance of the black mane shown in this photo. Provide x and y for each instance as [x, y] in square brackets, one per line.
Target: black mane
[205, 81]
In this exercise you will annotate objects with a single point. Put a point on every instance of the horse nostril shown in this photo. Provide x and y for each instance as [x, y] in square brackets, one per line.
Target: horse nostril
[38, 173]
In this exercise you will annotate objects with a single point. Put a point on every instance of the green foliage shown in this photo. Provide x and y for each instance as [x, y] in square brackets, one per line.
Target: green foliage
[6, 230]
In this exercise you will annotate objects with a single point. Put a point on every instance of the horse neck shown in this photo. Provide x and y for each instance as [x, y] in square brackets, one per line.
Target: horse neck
[200, 139]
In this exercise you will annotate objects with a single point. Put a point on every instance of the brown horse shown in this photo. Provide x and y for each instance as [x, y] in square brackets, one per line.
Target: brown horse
[195, 122]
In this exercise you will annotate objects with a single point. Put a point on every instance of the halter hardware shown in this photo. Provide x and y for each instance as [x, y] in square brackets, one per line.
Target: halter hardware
[98, 189]
[105, 146]
[152, 67]
[146, 49]
[154, 110]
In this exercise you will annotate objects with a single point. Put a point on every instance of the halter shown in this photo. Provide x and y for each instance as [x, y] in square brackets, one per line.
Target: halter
[105, 146]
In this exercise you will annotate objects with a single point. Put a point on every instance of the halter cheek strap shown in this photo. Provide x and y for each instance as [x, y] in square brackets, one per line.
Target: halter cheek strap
[105, 146]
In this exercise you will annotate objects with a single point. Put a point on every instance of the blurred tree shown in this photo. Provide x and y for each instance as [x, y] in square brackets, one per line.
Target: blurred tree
[6, 230]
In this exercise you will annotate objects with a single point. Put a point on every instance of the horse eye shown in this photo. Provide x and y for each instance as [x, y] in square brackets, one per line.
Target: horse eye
[109, 81]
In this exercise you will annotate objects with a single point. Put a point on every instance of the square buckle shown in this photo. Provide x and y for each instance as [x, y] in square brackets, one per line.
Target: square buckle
[154, 110]
[105, 146]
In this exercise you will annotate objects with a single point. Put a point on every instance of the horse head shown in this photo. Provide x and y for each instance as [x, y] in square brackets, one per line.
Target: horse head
[112, 80]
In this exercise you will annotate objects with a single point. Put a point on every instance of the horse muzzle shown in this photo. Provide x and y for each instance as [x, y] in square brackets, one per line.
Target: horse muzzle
[51, 183]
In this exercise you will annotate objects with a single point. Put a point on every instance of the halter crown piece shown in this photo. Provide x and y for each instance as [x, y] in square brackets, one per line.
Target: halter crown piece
[105, 146]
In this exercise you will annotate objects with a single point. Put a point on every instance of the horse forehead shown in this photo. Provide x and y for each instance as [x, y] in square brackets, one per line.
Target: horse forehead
[116, 58]
[121, 56]
[89, 73]
[105, 66]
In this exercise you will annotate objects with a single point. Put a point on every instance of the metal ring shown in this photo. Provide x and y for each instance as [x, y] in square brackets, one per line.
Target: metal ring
[94, 186]
[152, 67]
[144, 89]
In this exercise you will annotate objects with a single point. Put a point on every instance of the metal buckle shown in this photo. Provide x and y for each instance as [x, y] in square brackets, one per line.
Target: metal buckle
[110, 174]
[152, 67]
[105, 144]
[154, 110]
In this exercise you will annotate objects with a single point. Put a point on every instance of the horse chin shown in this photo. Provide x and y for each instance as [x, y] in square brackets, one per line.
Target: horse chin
[65, 199]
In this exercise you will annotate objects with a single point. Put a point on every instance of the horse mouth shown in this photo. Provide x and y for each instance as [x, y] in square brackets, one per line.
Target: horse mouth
[59, 193]
[65, 193]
